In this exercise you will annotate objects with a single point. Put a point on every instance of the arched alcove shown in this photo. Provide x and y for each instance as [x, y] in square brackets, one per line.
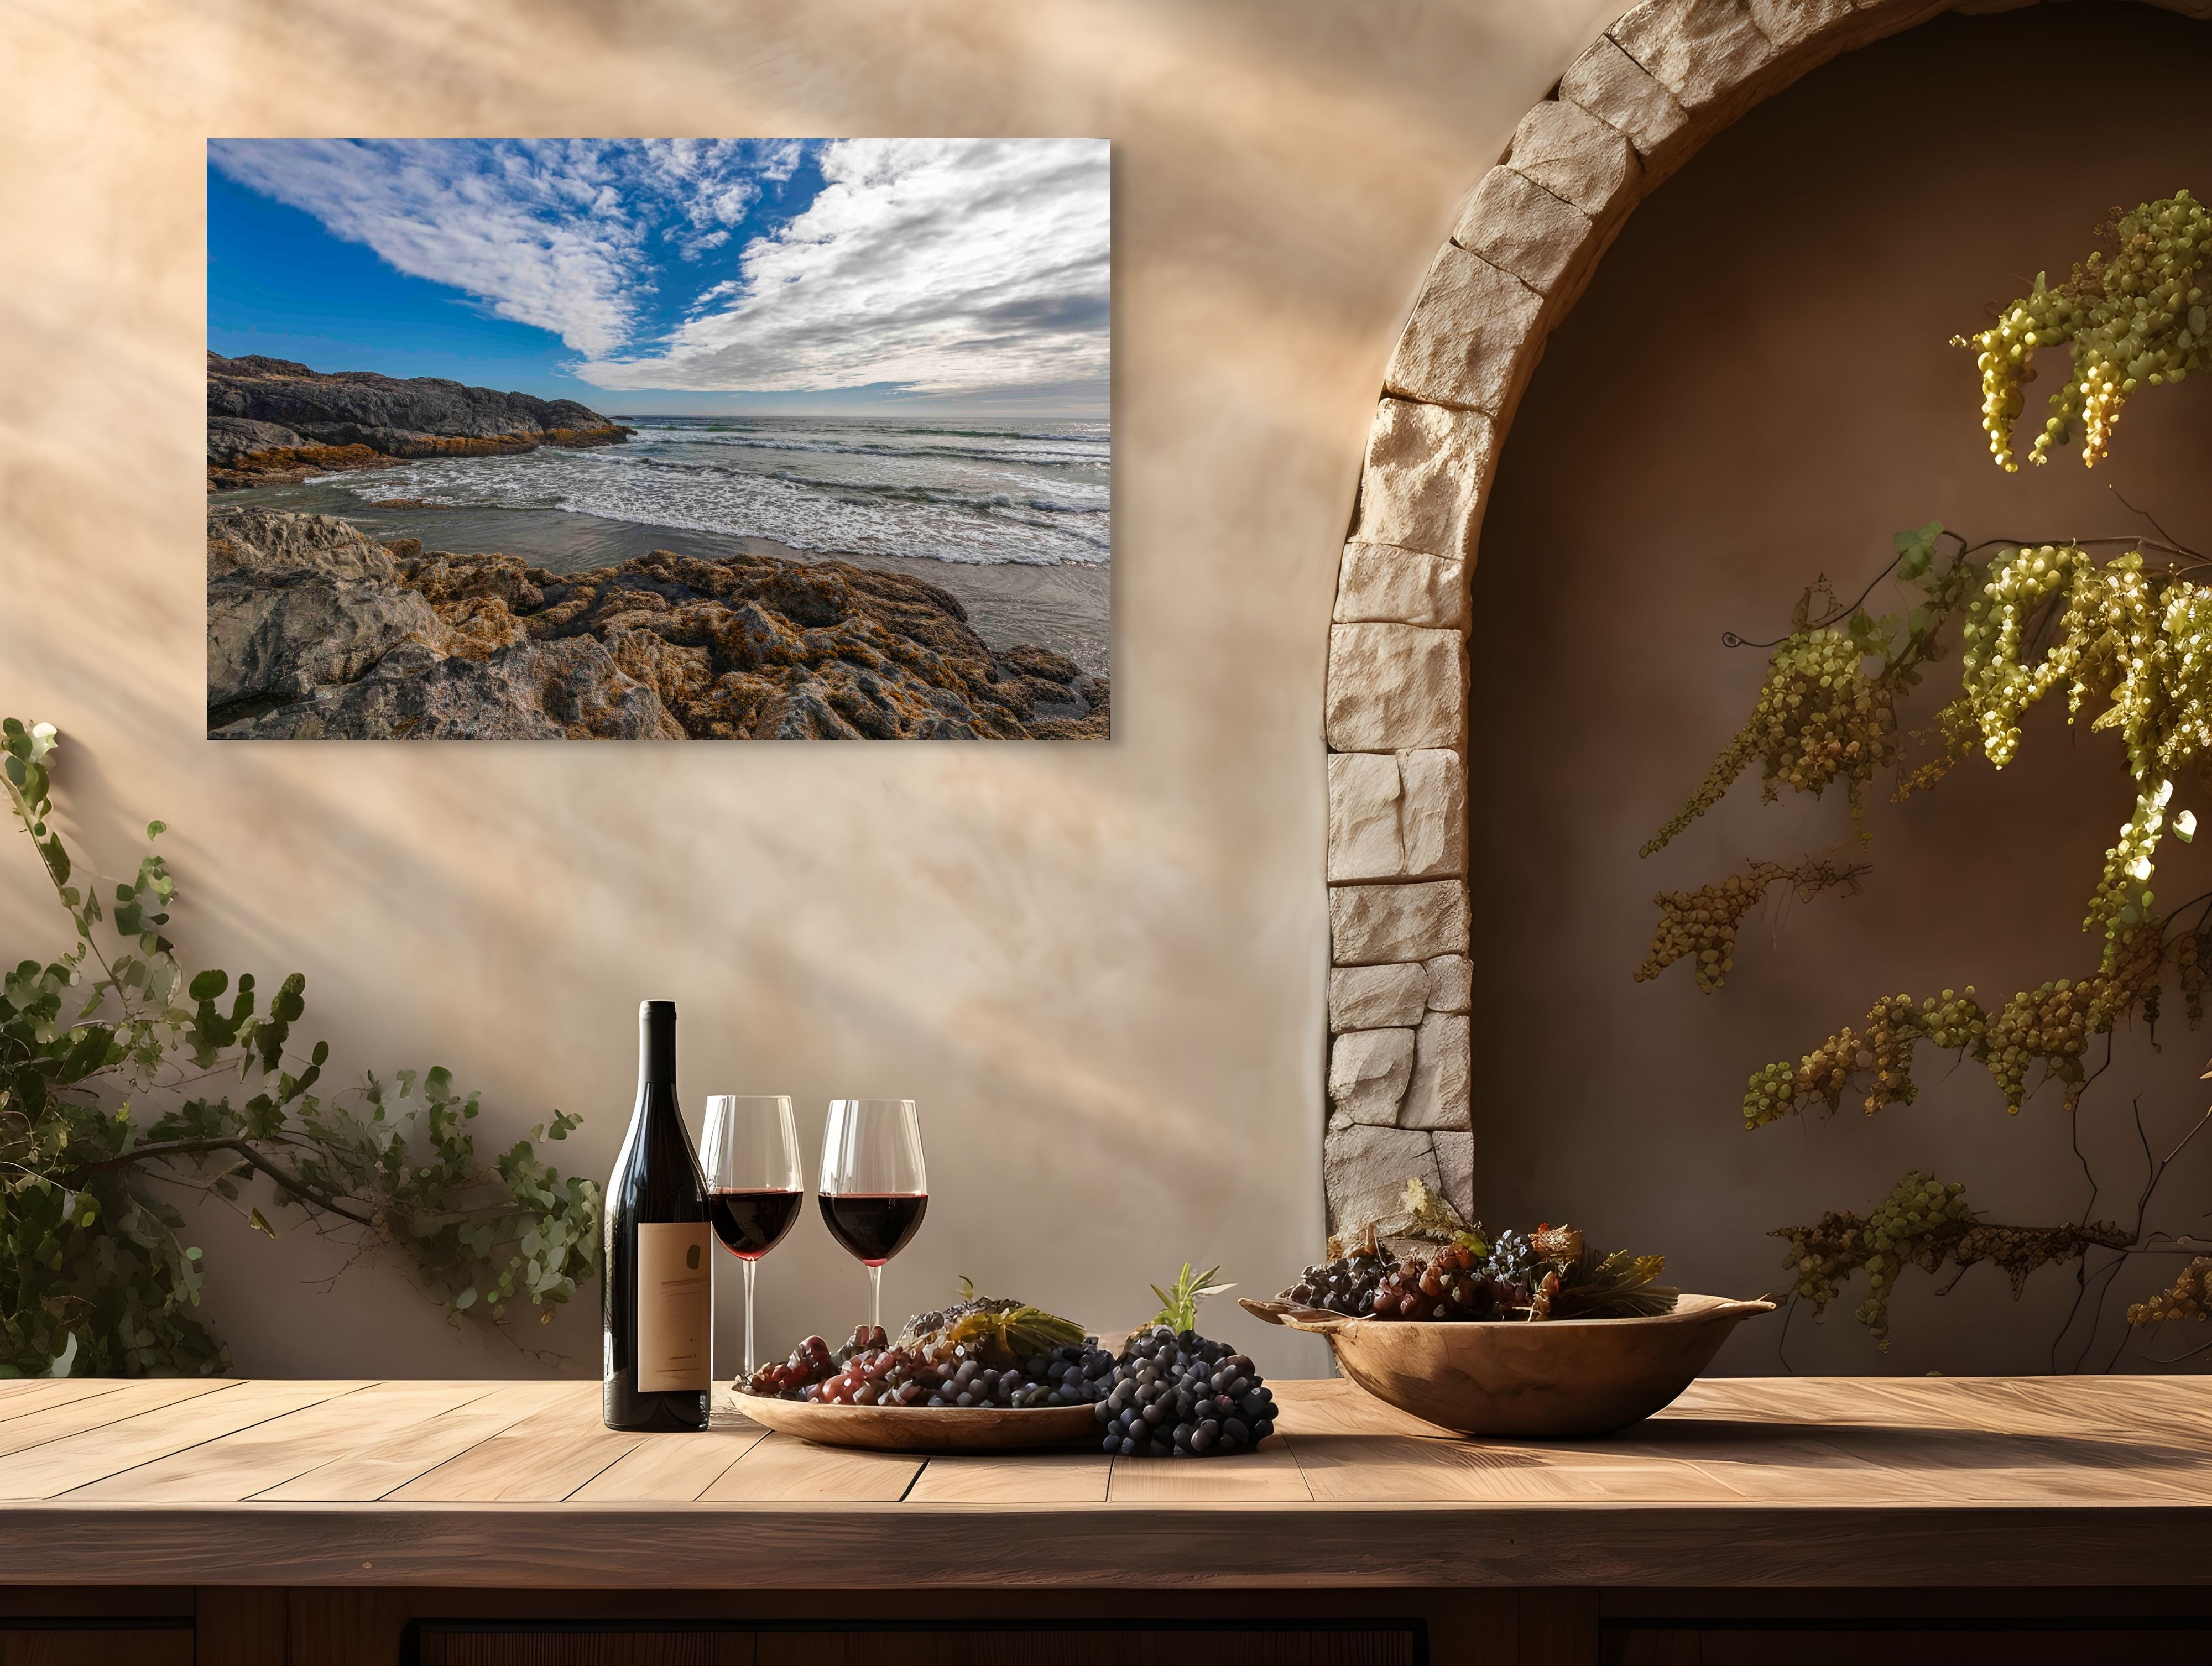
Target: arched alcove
[1634, 107]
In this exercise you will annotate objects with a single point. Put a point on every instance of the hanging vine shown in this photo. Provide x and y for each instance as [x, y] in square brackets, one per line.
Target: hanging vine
[2122, 626]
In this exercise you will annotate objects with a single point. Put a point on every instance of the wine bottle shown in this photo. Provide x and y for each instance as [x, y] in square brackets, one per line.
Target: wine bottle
[657, 1305]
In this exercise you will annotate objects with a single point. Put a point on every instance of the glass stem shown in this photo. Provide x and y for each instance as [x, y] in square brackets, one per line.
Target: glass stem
[751, 1265]
[876, 1297]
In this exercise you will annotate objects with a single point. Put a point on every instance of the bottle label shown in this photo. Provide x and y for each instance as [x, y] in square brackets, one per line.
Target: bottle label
[675, 1307]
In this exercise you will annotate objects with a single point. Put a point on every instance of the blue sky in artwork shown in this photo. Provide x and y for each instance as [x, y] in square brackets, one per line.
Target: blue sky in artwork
[676, 276]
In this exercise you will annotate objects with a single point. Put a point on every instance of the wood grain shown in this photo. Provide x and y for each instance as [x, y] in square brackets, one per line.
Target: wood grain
[35, 1394]
[542, 1459]
[398, 1454]
[165, 1647]
[1392, 1468]
[115, 1402]
[58, 1466]
[1042, 1478]
[1269, 1475]
[253, 1460]
[783, 1469]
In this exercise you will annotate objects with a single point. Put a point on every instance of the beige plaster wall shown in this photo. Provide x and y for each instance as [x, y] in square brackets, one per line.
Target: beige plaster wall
[1099, 969]
[1756, 389]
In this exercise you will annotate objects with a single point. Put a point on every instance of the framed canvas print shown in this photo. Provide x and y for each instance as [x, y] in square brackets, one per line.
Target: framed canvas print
[659, 440]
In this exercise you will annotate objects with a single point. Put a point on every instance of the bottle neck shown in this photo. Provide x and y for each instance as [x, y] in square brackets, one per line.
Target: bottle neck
[656, 1050]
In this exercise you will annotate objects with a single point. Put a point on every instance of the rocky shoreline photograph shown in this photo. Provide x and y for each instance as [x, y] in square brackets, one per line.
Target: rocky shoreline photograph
[641, 440]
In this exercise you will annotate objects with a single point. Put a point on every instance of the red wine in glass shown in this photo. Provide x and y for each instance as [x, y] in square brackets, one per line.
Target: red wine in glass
[753, 1182]
[874, 1226]
[750, 1224]
[874, 1188]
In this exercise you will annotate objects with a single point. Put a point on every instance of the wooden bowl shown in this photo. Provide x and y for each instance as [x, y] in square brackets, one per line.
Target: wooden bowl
[1554, 1378]
[922, 1428]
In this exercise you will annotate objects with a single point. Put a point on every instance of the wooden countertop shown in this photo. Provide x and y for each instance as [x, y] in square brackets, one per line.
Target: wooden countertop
[1744, 1481]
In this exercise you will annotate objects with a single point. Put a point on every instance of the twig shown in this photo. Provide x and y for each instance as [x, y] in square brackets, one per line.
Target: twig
[164, 1149]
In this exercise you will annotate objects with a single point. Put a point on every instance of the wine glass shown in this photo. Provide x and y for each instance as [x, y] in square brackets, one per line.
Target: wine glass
[753, 1182]
[874, 1188]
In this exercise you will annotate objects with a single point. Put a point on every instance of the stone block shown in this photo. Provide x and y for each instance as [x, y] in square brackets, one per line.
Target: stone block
[1707, 53]
[1464, 345]
[1427, 477]
[1451, 984]
[1440, 1094]
[1396, 816]
[1391, 687]
[1791, 24]
[1364, 1171]
[1578, 159]
[1433, 813]
[1367, 1070]
[1371, 925]
[1364, 838]
[1456, 1162]
[1521, 228]
[1377, 997]
[1625, 96]
[1378, 583]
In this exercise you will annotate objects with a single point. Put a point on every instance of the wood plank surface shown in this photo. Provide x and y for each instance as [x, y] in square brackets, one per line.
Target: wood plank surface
[676, 1469]
[269, 1454]
[783, 1469]
[80, 1412]
[542, 1459]
[27, 1395]
[1023, 1478]
[1747, 1481]
[399, 1454]
[58, 1466]
[1394, 1468]
[1269, 1475]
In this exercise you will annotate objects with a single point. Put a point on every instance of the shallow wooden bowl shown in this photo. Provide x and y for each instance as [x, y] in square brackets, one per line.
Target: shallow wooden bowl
[1557, 1378]
[922, 1428]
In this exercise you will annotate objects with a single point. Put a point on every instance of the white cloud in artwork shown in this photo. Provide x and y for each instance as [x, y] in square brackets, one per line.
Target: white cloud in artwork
[539, 229]
[931, 264]
[937, 264]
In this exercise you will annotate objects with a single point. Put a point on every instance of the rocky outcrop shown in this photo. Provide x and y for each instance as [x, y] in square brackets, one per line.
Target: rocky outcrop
[298, 602]
[273, 419]
[666, 647]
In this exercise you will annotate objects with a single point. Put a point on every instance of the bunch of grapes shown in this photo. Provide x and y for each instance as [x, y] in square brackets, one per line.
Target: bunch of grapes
[810, 1362]
[2133, 313]
[1700, 926]
[1820, 719]
[1455, 1282]
[1174, 1394]
[1346, 1285]
[938, 1374]
[2186, 1297]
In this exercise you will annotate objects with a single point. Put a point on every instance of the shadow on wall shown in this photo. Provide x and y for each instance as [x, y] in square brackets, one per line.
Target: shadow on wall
[1756, 390]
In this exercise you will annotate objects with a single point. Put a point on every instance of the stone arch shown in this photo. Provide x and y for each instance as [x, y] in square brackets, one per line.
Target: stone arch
[1662, 79]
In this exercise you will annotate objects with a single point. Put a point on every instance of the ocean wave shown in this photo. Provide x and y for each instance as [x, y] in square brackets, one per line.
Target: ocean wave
[1097, 458]
[902, 517]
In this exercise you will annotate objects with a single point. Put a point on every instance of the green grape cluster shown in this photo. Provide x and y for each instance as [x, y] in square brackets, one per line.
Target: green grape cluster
[1819, 718]
[1925, 1222]
[1700, 926]
[1914, 1225]
[2132, 313]
[2141, 640]
[2052, 1025]
[2186, 1297]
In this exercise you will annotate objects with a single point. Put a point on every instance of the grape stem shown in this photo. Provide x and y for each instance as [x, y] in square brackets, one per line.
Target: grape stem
[2190, 559]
